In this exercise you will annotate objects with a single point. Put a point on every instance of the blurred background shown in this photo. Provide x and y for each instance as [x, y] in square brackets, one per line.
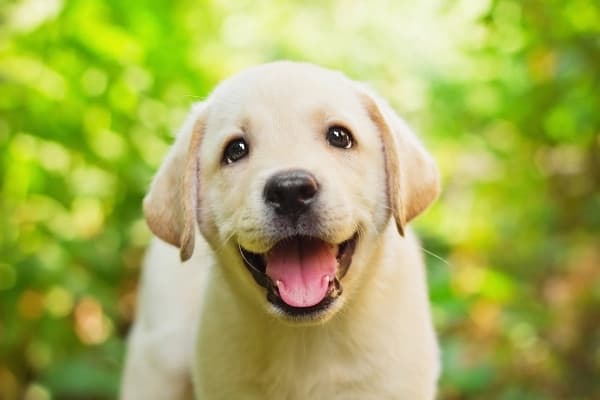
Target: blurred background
[506, 95]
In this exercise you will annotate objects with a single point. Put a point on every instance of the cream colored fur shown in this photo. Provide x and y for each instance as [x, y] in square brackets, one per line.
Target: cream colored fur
[205, 326]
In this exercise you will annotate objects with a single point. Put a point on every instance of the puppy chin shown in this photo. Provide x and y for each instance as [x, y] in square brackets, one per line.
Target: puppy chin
[308, 320]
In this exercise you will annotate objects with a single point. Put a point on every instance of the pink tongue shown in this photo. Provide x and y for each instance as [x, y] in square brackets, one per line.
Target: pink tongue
[301, 269]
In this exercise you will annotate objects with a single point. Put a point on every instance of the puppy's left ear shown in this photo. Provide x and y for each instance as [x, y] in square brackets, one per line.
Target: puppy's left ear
[171, 204]
[413, 181]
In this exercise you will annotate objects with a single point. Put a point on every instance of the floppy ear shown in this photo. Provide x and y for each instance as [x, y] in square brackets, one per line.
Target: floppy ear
[413, 181]
[171, 203]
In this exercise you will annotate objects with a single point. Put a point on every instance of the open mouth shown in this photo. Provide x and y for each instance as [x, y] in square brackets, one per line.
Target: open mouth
[302, 274]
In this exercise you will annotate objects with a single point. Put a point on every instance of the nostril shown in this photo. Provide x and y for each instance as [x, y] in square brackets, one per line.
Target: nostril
[307, 190]
[291, 192]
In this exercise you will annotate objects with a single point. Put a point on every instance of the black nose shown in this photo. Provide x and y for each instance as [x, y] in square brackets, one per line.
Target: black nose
[291, 192]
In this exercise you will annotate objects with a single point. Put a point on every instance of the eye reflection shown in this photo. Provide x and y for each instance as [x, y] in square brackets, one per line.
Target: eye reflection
[235, 151]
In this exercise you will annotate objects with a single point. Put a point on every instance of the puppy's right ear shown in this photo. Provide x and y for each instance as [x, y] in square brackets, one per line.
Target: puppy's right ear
[171, 203]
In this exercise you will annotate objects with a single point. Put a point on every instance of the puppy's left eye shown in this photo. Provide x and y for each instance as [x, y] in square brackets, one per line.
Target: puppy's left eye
[235, 150]
[339, 136]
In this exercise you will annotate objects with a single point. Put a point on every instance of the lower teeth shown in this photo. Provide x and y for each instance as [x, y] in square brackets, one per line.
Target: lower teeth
[337, 289]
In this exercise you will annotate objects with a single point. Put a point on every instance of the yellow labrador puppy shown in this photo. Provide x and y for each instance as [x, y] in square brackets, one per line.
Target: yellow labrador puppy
[287, 193]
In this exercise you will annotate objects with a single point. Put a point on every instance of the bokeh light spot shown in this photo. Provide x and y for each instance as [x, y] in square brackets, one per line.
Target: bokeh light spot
[485, 315]
[31, 304]
[137, 78]
[152, 112]
[27, 15]
[523, 335]
[94, 82]
[38, 354]
[36, 75]
[151, 148]
[139, 232]
[87, 216]
[36, 391]
[8, 384]
[91, 325]
[468, 279]
[108, 144]
[58, 302]
[54, 157]
[91, 181]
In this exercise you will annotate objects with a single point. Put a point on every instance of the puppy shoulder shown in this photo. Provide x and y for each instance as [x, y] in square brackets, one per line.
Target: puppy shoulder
[169, 288]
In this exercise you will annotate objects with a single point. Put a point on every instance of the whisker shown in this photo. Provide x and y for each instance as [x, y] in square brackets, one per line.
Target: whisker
[440, 258]
[247, 261]
[228, 238]
[360, 230]
[191, 96]
[371, 225]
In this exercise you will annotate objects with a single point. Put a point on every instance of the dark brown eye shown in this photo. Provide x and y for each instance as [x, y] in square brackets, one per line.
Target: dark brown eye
[235, 150]
[339, 136]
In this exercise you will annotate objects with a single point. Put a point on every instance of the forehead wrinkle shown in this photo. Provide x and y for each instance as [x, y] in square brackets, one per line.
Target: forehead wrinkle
[245, 125]
[257, 120]
[319, 116]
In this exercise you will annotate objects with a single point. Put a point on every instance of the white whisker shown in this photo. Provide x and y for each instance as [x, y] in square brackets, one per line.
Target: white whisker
[248, 261]
[228, 238]
[440, 258]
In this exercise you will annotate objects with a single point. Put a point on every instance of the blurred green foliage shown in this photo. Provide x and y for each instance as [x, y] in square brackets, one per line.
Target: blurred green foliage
[505, 93]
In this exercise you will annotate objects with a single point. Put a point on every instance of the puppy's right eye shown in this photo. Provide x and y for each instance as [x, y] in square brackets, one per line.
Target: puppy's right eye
[235, 150]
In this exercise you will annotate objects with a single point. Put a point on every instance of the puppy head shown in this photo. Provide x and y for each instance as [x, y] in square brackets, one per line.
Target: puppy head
[291, 172]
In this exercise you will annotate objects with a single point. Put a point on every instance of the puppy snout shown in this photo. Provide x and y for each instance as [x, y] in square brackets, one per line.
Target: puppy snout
[290, 193]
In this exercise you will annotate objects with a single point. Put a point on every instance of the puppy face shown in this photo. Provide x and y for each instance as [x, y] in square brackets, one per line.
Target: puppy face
[291, 172]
